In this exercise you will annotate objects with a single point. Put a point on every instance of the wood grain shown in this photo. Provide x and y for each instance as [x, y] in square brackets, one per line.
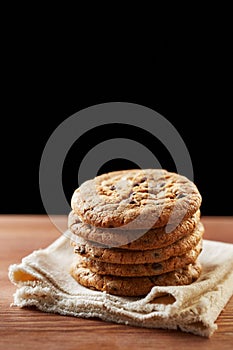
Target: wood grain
[31, 329]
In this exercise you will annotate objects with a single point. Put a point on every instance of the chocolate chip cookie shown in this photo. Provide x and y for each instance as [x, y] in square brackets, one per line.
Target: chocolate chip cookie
[133, 199]
[134, 286]
[132, 239]
[123, 256]
[131, 270]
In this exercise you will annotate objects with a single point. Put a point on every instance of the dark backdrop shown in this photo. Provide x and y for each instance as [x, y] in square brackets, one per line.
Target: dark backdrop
[185, 81]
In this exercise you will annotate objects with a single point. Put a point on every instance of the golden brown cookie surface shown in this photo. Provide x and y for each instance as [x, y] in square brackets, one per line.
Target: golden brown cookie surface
[132, 239]
[124, 256]
[131, 270]
[136, 199]
[134, 286]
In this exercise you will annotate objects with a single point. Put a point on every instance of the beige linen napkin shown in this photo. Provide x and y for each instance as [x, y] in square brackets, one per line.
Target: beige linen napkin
[43, 280]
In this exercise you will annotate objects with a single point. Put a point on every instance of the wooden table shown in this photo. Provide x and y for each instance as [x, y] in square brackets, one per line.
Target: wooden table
[32, 329]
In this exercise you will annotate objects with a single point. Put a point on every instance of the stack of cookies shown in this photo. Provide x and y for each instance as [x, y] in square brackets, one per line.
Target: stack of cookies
[136, 229]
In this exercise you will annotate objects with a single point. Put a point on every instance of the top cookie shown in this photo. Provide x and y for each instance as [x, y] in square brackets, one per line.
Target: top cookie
[140, 198]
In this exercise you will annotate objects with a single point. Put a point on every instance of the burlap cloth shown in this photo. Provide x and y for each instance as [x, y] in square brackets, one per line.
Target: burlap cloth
[43, 280]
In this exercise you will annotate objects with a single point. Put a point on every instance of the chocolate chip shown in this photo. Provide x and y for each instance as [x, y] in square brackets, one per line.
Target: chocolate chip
[132, 202]
[136, 184]
[143, 179]
[112, 187]
[156, 266]
[80, 250]
[151, 279]
[180, 195]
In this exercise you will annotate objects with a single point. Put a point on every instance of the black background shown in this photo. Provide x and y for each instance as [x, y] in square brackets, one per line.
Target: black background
[184, 78]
